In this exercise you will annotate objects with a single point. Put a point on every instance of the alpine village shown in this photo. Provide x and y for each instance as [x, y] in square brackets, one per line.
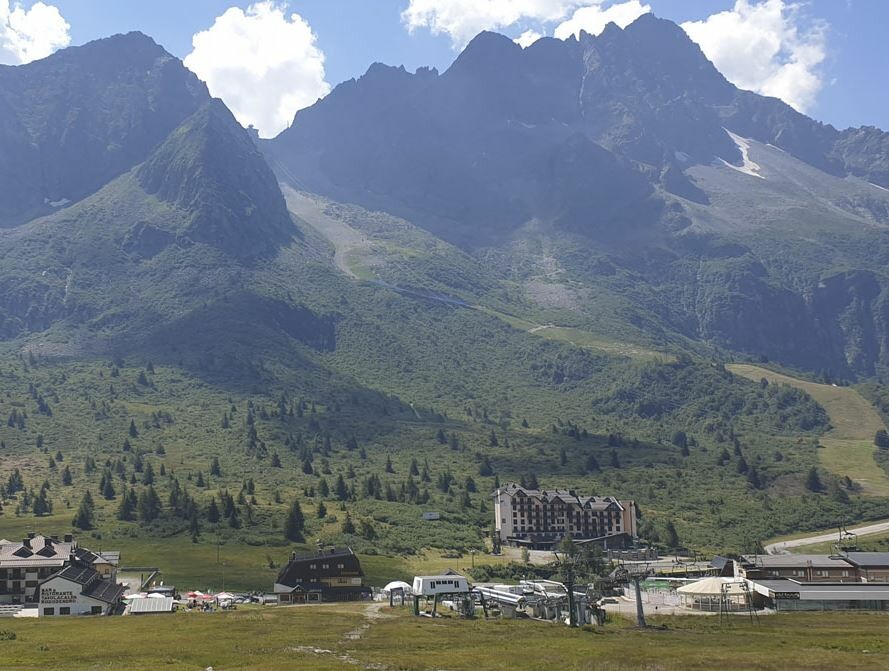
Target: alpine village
[575, 344]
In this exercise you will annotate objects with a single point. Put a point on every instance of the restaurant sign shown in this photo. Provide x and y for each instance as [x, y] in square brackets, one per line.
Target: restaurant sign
[49, 595]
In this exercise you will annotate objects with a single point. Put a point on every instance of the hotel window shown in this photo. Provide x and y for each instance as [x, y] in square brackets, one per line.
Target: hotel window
[341, 566]
[65, 610]
[96, 610]
[49, 611]
[325, 565]
[313, 566]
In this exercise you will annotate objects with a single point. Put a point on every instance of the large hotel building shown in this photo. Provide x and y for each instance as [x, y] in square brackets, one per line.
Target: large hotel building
[540, 518]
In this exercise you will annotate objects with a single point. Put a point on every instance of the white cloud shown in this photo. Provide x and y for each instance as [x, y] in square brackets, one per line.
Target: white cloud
[464, 19]
[29, 34]
[263, 64]
[766, 47]
[527, 38]
[594, 18]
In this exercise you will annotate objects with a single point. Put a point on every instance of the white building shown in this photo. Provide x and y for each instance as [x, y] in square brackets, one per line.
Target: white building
[433, 585]
[78, 590]
[23, 565]
[539, 519]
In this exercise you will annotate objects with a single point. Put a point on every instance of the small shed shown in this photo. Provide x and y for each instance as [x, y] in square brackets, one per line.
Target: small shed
[152, 606]
[715, 594]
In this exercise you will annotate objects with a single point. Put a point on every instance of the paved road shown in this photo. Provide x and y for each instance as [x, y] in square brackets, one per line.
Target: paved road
[783, 547]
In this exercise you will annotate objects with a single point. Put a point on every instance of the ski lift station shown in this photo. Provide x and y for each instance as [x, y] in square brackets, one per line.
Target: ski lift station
[436, 585]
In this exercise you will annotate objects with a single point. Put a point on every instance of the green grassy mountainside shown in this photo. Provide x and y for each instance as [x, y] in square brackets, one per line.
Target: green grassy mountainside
[196, 349]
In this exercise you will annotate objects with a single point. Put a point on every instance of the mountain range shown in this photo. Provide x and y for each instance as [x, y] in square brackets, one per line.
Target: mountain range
[575, 235]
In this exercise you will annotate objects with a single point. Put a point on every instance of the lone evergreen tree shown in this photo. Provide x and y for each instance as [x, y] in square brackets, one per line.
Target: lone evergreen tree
[134, 432]
[214, 467]
[213, 512]
[296, 523]
[813, 481]
[84, 518]
[348, 524]
[340, 489]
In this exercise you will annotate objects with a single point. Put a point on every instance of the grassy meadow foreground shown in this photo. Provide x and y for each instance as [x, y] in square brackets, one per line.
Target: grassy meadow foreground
[369, 637]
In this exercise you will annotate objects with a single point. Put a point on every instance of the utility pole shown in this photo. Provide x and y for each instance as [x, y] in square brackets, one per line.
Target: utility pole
[567, 562]
[640, 613]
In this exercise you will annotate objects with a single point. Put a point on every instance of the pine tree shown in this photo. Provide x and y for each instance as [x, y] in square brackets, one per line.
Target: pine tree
[126, 512]
[348, 525]
[134, 433]
[813, 481]
[492, 439]
[389, 468]
[340, 489]
[67, 479]
[322, 510]
[215, 470]
[307, 466]
[108, 488]
[84, 518]
[276, 460]
[323, 488]
[149, 505]
[213, 512]
[296, 523]
[42, 505]
[194, 525]
[148, 475]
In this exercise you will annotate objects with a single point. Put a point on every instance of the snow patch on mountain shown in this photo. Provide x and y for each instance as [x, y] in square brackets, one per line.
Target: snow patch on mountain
[747, 166]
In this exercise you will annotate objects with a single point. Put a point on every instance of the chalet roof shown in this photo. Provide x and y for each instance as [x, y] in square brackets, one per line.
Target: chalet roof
[94, 585]
[300, 567]
[107, 591]
[566, 496]
[39, 550]
[328, 553]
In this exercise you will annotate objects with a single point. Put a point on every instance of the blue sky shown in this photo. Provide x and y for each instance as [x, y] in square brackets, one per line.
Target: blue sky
[850, 64]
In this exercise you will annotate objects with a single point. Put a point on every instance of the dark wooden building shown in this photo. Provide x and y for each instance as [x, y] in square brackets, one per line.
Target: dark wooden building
[332, 574]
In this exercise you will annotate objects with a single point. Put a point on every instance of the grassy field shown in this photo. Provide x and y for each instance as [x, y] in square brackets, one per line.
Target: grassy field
[848, 449]
[365, 637]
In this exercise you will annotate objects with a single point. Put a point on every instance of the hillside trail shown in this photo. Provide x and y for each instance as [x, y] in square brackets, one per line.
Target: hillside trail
[784, 547]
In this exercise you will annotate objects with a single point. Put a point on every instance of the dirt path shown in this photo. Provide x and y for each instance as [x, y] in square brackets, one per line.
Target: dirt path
[782, 547]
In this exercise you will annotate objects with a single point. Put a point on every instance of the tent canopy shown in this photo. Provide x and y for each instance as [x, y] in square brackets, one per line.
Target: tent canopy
[396, 584]
[713, 587]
